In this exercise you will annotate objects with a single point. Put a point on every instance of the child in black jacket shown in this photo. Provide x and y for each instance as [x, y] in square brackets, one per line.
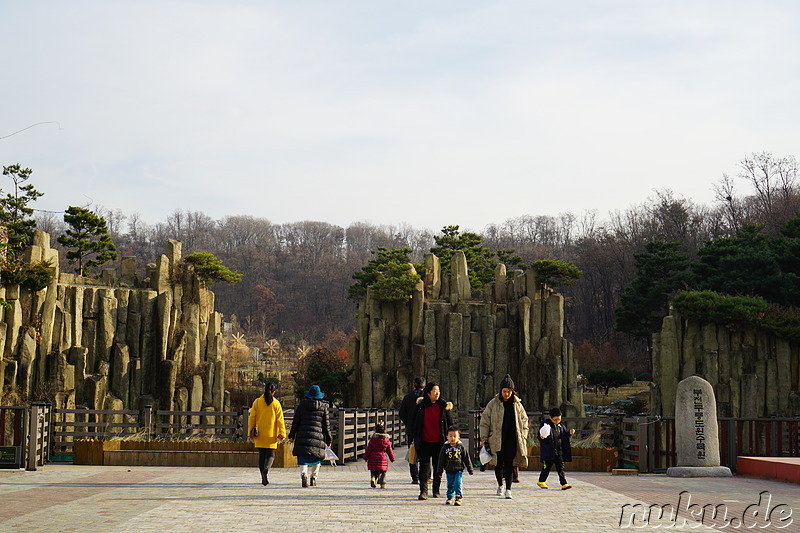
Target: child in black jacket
[453, 459]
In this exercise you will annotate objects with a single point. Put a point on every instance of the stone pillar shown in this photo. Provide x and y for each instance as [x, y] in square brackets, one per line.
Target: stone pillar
[366, 385]
[429, 332]
[468, 376]
[433, 281]
[218, 391]
[454, 336]
[524, 309]
[418, 313]
[196, 398]
[500, 283]
[460, 289]
[119, 381]
[696, 431]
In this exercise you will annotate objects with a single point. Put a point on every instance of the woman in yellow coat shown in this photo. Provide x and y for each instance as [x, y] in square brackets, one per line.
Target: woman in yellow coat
[266, 428]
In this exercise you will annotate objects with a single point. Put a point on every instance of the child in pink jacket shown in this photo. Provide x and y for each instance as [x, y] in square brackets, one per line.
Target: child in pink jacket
[379, 453]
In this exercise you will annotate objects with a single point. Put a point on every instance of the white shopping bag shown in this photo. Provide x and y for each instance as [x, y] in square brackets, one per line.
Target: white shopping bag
[331, 456]
[484, 456]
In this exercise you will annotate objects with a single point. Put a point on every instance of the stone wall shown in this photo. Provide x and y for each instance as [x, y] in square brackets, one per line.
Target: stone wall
[116, 342]
[753, 372]
[467, 341]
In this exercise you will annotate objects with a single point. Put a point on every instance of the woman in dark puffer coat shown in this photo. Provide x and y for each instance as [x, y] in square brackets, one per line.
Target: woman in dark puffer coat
[310, 434]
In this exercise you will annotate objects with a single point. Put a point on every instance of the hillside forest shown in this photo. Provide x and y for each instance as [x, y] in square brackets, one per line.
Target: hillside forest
[295, 276]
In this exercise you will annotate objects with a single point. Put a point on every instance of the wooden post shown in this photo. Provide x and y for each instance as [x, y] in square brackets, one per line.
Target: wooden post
[731, 445]
[474, 438]
[644, 445]
[245, 423]
[33, 429]
[340, 437]
[147, 420]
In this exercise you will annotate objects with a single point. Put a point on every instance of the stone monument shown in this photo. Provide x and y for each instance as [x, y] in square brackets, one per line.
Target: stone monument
[696, 431]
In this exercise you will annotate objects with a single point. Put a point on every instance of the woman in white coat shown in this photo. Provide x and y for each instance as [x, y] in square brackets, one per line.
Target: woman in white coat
[504, 429]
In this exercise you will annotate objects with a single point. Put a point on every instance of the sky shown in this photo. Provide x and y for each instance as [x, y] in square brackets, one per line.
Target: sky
[428, 113]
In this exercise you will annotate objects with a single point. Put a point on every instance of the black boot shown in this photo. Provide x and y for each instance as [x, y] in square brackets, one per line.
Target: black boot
[264, 480]
[437, 481]
[423, 489]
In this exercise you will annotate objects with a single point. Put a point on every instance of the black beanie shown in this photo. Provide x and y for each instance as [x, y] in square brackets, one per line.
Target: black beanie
[507, 382]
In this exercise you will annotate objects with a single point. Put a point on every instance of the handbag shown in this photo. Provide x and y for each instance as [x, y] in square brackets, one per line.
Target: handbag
[411, 456]
[254, 432]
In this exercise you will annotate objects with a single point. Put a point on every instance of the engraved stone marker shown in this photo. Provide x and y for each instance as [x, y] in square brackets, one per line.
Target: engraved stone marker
[696, 432]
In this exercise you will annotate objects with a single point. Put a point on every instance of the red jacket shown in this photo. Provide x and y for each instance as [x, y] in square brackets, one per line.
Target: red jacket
[379, 452]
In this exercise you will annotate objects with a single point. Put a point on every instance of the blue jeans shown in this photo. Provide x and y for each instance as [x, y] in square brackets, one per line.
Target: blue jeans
[454, 484]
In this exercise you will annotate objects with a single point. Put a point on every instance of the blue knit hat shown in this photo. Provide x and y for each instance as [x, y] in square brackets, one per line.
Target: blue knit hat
[314, 393]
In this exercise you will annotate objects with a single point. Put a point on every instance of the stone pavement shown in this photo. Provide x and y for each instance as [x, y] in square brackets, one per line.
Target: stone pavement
[63, 498]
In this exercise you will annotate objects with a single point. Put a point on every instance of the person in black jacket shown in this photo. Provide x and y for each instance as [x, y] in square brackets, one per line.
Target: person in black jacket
[311, 434]
[407, 409]
[555, 448]
[453, 459]
[431, 420]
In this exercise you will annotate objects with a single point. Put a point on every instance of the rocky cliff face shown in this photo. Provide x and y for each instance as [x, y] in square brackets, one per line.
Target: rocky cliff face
[753, 372]
[467, 341]
[117, 342]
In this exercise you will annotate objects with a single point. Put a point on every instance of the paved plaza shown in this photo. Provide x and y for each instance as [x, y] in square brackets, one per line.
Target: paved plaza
[64, 498]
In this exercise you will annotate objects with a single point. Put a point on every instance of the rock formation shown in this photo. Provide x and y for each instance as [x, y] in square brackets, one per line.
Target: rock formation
[467, 340]
[117, 341]
[754, 373]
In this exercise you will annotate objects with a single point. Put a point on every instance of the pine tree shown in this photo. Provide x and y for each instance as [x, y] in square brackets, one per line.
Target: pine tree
[661, 271]
[14, 211]
[481, 261]
[87, 236]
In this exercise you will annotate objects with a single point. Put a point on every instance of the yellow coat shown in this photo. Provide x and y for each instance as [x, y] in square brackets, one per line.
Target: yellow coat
[269, 421]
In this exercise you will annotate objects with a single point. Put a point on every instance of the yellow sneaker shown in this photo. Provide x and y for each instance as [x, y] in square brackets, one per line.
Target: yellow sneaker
[541, 484]
[566, 486]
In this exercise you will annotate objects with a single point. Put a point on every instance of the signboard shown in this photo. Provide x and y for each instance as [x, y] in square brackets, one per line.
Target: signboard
[11, 457]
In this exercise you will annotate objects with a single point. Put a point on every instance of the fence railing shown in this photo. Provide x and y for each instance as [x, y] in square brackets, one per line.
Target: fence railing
[648, 443]
[351, 428]
[32, 435]
[600, 431]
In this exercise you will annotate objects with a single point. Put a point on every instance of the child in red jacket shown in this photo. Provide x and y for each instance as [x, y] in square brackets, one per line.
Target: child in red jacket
[379, 453]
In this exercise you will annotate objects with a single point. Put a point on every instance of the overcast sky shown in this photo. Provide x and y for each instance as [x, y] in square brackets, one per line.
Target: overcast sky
[425, 112]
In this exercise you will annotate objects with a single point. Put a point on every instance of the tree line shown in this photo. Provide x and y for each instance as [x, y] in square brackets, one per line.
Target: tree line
[296, 277]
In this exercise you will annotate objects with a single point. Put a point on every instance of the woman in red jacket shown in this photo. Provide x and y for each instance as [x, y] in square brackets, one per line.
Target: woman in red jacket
[431, 420]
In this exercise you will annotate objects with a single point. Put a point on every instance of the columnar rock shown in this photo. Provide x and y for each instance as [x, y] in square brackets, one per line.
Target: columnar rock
[500, 283]
[460, 289]
[196, 401]
[109, 341]
[119, 378]
[454, 335]
[432, 281]
[467, 345]
[127, 271]
[696, 431]
[749, 369]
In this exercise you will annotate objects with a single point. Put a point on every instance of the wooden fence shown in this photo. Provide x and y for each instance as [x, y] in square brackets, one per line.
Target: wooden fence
[32, 435]
[351, 428]
[648, 443]
[600, 431]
